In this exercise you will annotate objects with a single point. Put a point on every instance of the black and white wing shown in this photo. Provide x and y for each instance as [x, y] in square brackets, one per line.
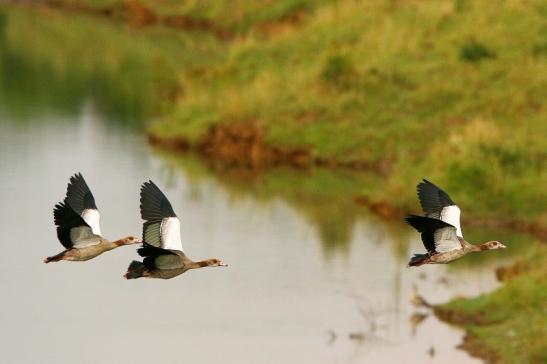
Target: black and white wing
[437, 204]
[162, 226]
[72, 230]
[81, 200]
[438, 236]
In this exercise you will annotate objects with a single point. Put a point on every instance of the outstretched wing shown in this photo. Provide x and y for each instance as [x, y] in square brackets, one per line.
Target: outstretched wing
[159, 258]
[72, 230]
[81, 200]
[437, 204]
[162, 226]
[437, 235]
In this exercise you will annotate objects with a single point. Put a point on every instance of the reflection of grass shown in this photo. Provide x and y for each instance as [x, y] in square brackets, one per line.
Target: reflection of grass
[510, 323]
[43, 66]
[325, 199]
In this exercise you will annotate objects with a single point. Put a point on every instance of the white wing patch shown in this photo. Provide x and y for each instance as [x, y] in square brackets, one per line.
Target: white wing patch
[170, 234]
[446, 240]
[92, 217]
[451, 215]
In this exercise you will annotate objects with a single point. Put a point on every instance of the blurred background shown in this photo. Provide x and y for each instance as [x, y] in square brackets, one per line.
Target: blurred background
[289, 136]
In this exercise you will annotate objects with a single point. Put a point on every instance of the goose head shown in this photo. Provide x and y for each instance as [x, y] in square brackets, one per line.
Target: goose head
[491, 245]
[128, 241]
[215, 263]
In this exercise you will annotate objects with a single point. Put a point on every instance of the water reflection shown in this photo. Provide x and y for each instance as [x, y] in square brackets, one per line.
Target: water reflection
[64, 70]
[324, 198]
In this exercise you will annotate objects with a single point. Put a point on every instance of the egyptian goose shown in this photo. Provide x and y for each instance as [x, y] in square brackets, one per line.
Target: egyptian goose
[162, 246]
[78, 229]
[440, 228]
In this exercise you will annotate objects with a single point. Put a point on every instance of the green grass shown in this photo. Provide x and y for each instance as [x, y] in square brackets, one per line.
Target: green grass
[514, 317]
[437, 89]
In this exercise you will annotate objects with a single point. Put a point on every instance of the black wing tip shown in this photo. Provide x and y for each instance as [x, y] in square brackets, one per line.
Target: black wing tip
[432, 198]
[77, 179]
[148, 184]
[65, 216]
[147, 188]
[78, 194]
[423, 223]
[414, 220]
[148, 250]
[153, 202]
[61, 212]
[77, 176]
[424, 183]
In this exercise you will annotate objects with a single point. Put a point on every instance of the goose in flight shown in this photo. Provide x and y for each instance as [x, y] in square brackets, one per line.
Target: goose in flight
[162, 246]
[78, 229]
[440, 228]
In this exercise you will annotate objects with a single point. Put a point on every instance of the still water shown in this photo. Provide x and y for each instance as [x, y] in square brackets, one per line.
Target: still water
[308, 281]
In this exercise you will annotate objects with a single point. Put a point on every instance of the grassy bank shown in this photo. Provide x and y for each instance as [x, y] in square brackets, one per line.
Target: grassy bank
[510, 324]
[452, 90]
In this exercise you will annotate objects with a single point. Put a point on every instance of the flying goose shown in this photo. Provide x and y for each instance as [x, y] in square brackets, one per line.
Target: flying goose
[440, 228]
[78, 229]
[162, 246]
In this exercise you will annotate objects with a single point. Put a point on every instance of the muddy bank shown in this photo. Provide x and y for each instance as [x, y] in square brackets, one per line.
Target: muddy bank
[138, 15]
[472, 345]
[470, 342]
[133, 13]
[245, 145]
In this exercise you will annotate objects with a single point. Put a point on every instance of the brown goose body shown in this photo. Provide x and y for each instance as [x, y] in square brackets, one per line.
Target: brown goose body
[185, 265]
[91, 251]
[78, 229]
[162, 245]
[452, 255]
[440, 228]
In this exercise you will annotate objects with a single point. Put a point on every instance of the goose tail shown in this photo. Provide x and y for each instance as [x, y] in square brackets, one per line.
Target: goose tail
[418, 259]
[135, 270]
[54, 258]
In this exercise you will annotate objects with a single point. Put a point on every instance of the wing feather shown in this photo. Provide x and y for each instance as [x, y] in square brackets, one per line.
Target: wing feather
[438, 236]
[170, 234]
[158, 258]
[162, 226]
[152, 232]
[72, 230]
[81, 200]
[437, 204]
[154, 204]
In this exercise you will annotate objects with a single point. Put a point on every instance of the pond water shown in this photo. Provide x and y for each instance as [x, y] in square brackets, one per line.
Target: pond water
[312, 276]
